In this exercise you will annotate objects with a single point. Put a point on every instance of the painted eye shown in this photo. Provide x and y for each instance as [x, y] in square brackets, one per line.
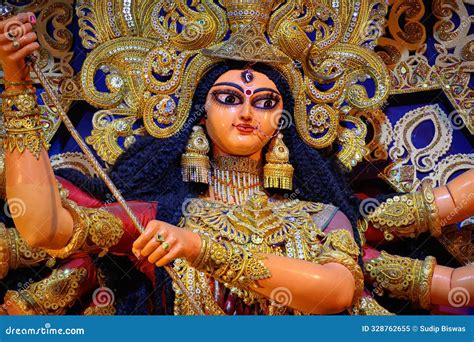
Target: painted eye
[228, 99]
[265, 103]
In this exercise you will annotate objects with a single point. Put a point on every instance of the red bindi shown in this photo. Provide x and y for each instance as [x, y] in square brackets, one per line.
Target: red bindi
[248, 92]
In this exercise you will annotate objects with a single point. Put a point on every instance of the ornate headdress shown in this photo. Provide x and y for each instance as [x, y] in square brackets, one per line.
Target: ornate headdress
[153, 54]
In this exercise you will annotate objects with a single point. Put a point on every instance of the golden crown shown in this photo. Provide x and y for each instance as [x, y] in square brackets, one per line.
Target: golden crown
[152, 55]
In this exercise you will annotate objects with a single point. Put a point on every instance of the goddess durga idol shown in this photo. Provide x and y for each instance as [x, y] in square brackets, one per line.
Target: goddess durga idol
[244, 207]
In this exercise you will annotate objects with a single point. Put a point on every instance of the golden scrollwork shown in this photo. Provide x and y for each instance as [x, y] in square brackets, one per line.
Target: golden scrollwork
[404, 39]
[50, 296]
[382, 133]
[352, 140]
[448, 166]
[424, 159]
[167, 47]
[455, 59]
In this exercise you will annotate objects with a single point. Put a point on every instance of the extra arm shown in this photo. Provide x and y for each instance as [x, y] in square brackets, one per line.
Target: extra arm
[422, 282]
[455, 200]
[408, 215]
[31, 185]
[31, 189]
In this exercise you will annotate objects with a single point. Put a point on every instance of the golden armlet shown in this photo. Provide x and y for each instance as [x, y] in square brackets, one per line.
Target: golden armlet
[50, 296]
[402, 277]
[230, 263]
[408, 215]
[340, 247]
[94, 230]
[22, 121]
[16, 253]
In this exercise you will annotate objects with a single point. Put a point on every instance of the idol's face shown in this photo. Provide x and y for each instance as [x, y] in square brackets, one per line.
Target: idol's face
[243, 110]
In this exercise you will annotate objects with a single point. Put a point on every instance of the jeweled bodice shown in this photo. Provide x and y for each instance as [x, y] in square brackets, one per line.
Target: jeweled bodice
[262, 226]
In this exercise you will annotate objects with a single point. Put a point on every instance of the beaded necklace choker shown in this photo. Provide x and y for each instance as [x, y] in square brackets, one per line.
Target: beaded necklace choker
[236, 178]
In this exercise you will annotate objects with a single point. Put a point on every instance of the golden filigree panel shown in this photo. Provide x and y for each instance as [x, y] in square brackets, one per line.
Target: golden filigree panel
[404, 49]
[149, 54]
[424, 158]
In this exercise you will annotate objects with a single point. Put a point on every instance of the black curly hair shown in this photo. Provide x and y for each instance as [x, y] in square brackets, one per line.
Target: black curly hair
[150, 170]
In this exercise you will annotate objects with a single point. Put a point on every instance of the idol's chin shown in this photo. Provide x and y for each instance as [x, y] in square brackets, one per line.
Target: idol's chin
[241, 145]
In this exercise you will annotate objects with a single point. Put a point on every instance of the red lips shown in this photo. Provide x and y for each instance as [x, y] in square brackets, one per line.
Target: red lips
[245, 128]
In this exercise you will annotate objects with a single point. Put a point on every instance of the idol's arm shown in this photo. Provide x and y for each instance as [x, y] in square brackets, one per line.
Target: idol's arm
[455, 200]
[329, 284]
[31, 188]
[408, 215]
[453, 285]
[313, 288]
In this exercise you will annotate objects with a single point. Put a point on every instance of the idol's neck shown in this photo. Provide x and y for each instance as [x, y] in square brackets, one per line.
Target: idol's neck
[234, 179]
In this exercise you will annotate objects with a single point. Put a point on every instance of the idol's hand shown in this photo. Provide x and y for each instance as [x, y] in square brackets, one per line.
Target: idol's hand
[161, 243]
[17, 41]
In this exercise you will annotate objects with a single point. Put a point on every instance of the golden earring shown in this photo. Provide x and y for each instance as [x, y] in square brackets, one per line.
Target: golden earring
[195, 162]
[278, 172]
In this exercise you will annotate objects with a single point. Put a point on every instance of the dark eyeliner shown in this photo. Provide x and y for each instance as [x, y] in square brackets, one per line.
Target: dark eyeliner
[215, 94]
[269, 96]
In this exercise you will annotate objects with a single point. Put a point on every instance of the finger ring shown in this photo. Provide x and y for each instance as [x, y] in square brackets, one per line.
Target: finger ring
[165, 246]
[159, 238]
[16, 44]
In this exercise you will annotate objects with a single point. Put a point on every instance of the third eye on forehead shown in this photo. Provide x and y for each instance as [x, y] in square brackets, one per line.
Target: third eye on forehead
[246, 92]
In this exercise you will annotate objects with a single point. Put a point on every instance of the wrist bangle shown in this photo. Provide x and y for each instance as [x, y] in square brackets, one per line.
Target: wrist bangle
[402, 277]
[203, 251]
[17, 83]
[230, 264]
[24, 102]
[16, 92]
[433, 213]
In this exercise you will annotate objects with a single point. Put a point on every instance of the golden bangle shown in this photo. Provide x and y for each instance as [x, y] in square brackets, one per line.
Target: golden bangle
[31, 140]
[204, 243]
[79, 233]
[94, 229]
[402, 277]
[22, 102]
[231, 264]
[52, 295]
[404, 216]
[432, 208]
[424, 282]
[16, 114]
[22, 125]
[18, 83]
[16, 92]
